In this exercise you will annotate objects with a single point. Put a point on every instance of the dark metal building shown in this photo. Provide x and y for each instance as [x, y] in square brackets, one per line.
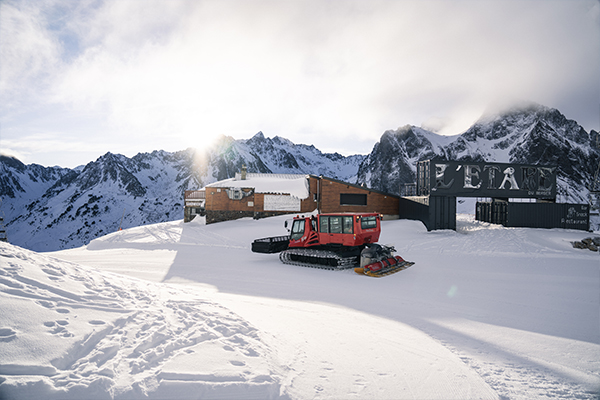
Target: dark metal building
[534, 215]
[440, 182]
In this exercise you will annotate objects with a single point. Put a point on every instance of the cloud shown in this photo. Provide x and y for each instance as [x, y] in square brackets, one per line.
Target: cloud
[27, 53]
[330, 73]
[42, 149]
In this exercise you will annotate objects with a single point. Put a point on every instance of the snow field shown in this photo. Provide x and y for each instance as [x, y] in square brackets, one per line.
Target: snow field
[486, 312]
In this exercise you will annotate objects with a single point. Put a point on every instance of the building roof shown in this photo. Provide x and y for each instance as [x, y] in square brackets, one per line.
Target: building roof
[292, 184]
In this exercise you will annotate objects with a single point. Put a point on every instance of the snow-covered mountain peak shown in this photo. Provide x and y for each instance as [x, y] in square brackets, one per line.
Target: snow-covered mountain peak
[502, 109]
[12, 162]
[522, 119]
[283, 141]
[259, 136]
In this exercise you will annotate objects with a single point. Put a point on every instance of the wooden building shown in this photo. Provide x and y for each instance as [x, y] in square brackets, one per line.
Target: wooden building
[263, 195]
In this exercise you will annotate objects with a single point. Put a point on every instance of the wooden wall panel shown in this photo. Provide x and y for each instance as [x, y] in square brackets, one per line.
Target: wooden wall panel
[218, 200]
[376, 202]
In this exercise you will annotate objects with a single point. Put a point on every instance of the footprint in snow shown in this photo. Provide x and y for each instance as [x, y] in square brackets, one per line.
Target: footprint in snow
[58, 328]
[52, 272]
[250, 352]
[46, 303]
[7, 334]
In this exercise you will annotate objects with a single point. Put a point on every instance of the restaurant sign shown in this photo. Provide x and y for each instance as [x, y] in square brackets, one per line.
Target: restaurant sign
[496, 180]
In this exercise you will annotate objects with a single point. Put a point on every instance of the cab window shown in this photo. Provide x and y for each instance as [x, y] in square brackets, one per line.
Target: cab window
[324, 224]
[348, 225]
[335, 224]
[368, 222]
[297, 229]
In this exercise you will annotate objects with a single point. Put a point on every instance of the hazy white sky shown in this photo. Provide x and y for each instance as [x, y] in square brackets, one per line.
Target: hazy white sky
[80, 78]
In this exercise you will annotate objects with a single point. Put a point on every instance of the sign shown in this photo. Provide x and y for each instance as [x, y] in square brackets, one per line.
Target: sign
[577, 216]
[496, 180]
[281, 203]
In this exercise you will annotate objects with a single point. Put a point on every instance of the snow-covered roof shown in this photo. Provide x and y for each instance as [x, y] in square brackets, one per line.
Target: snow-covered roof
[293, 184]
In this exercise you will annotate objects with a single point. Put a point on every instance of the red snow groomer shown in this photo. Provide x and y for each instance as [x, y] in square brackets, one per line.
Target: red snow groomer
[335, 241]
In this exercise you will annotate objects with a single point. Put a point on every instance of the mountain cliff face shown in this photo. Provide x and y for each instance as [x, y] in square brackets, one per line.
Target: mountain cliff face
[531, 134]
[392, 161]
[55, 208]
[51, 208]
[22, 184]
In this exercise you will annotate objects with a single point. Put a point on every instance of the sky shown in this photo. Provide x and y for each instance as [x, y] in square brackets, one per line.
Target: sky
[82, 78]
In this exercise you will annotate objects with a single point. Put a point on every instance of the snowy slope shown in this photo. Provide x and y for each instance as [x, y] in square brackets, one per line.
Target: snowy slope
[486, 312]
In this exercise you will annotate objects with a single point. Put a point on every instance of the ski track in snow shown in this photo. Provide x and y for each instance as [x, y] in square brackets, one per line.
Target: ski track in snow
[515, 375]
[487, 312]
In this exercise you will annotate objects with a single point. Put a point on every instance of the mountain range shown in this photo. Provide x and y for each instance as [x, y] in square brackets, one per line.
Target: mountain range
[52, 208]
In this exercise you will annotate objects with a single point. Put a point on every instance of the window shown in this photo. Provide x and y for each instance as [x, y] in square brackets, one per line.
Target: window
[368, 222]
[297, 229]
[348, 226]
[335, 224]
[324, 224]
[235, 194]
[353, 199]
